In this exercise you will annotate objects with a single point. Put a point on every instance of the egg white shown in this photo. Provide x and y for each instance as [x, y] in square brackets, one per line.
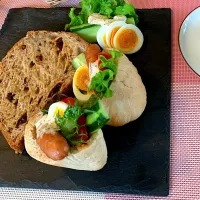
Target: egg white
[138, 33]
[81, 97]
[57, 108]
[100, 34]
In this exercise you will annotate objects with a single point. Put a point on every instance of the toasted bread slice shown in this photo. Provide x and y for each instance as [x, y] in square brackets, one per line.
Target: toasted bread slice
[90, 157]
[32, 74]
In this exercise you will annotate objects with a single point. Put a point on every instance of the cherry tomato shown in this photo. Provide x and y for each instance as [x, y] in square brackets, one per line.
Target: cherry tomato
[107, 56]
[82, 130]
[92, 52]
[81, 120]
[69, 100]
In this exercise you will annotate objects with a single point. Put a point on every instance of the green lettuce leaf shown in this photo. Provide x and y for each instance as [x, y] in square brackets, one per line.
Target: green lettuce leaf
[89, 7]
[103, 79]
[120, 2]
[68, 124]
[106, 8]
[127, 10]
[115, 54]
[109, 8]
[109, 64]
[112, 62]
[75, 19]
[101, 82]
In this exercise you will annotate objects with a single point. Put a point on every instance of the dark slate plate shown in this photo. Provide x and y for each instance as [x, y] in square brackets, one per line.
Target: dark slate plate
[138, 153]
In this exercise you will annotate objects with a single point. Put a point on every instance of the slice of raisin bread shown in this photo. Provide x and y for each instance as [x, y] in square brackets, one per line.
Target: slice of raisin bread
[33, 73]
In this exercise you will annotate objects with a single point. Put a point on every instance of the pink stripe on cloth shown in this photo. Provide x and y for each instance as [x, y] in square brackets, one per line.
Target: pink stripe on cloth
[5, 5]
[181, 73]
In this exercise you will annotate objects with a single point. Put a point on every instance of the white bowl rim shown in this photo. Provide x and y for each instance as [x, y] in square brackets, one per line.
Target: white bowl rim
[179, 39]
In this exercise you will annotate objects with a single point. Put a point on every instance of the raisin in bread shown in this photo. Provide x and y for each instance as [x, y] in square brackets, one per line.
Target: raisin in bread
[36, 70]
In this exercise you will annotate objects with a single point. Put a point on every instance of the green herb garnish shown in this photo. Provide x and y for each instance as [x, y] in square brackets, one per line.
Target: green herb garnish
[44, 111]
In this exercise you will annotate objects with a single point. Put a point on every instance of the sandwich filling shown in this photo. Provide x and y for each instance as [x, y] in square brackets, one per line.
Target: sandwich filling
[68, 125]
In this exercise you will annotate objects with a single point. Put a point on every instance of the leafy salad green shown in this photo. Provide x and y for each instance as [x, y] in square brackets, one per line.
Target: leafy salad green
[79, 120]
[109, 8]
[103, 79]
[68, 123]
[101, 82]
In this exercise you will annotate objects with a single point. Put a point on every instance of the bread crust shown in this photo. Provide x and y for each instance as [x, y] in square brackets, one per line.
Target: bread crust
[26, 50]
[90, 157]
[129, 95]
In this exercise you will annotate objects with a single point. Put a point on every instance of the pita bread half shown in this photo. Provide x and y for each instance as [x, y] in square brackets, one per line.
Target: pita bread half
[129, 95]
[90, 157]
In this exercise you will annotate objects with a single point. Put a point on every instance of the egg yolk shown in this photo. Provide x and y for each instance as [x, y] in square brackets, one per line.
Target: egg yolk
[59, 112]
[104, 40]
[126, 40]
[112, 35]
[82, 78]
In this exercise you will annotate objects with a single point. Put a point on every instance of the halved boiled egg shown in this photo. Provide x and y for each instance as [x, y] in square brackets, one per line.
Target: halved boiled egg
[82, 78]
[80, 84]
[111, 32]
[128, 39]
[101, 36]
[57, 108]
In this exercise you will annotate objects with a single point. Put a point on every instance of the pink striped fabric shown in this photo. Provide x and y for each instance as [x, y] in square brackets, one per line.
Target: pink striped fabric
[185, 130]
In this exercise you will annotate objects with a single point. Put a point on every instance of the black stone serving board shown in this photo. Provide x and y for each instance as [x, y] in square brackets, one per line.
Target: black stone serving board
[138, 153]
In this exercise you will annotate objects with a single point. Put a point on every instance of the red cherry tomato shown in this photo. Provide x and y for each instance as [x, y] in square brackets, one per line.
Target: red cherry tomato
[103, 68]
[107, 56]
[82, 130]
[81, 120]
[69, 100]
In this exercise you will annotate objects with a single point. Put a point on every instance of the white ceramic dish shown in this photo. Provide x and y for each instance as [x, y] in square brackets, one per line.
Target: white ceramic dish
[189, 40]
